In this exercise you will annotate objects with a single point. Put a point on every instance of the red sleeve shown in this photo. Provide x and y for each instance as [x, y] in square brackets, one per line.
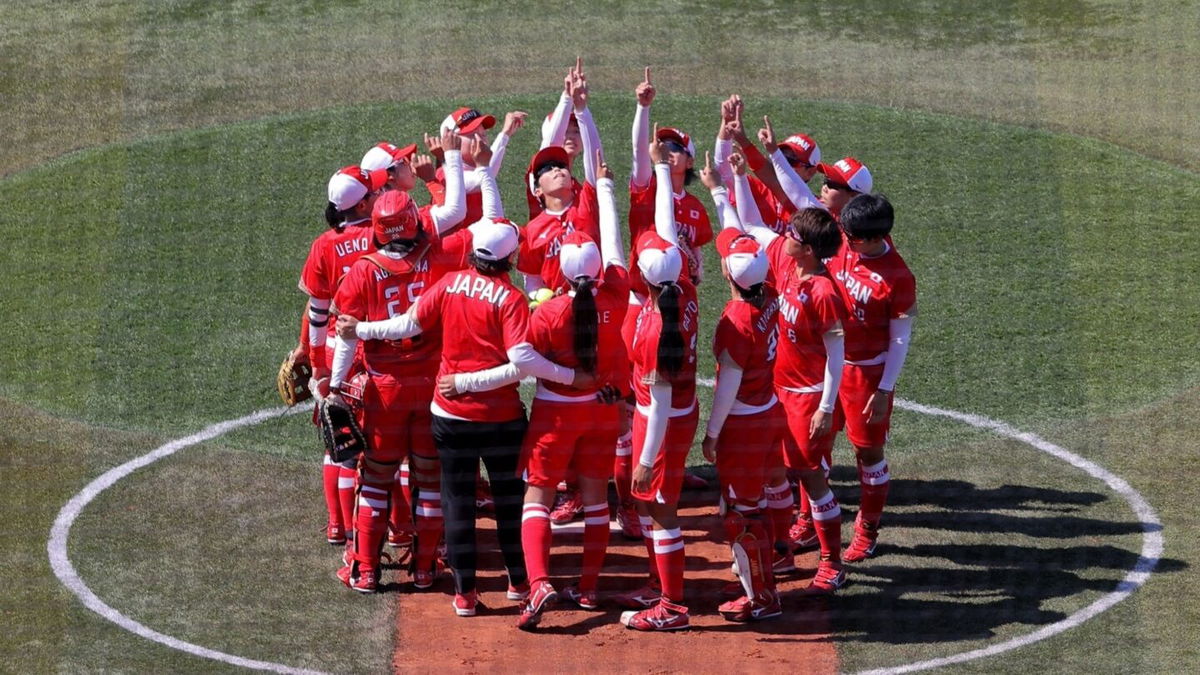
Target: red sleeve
[304, 326]
[589, 212]
[437, 188]
[540, 330]
[704, 232]
[530, 259]
[731, 338]
[311, 277]
[351, 294]
[904, 295]
[829, 308]
[514, 320]
[429, 305]
[754, 158]
[778, 260]
[763, 198]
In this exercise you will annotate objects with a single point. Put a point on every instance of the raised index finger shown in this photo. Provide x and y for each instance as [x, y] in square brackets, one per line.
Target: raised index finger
[647, 79]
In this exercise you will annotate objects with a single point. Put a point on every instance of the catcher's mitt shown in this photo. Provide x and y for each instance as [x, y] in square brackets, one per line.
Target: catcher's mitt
[292, 381]
[340, 431]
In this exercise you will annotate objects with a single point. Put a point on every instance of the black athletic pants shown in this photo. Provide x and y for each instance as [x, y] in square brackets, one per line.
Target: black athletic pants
[461, 444]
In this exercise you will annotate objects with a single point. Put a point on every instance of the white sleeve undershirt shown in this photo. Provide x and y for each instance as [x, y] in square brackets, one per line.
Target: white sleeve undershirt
[793, 185]
[747, 208]
[835, 355]
[590, 139]
[612, 252]
[729, 380]
[493, 207]
[318, 322]
[454, 208]
[498, 150]
[343, 357]
[395, 328]
[656, 423]
[899, 334]
[725, 211]
[486, 380]
[556, 132]
[531, 363]
[664, 205]
[721, 152]
[641, 153]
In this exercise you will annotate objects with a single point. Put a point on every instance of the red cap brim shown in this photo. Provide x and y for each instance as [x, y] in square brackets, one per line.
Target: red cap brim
[377, 179]
[402, 154]
[485, 121]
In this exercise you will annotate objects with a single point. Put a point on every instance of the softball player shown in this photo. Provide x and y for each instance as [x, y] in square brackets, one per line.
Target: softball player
[473, 126]
[402, 375]
[881, 295]
[572, 428]
[746, 427]
[808, 371]
[352, 193]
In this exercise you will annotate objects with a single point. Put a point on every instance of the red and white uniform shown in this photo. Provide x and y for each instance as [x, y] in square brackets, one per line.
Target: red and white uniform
[542, 239]
[570, 428]
[753, 434]
[668, 466]
[330, 257]
[808, 308]
[875, 291]
[402, 372]
[487, 315]
[691, 222]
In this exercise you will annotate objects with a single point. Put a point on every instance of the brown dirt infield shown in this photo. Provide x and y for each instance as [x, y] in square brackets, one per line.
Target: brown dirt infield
[429, 636]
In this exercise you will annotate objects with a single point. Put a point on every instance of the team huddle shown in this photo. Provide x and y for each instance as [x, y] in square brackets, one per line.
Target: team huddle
[415, 324]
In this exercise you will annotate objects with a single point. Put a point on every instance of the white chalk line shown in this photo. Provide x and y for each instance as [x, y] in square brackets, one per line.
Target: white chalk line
[65, 571]
[1152, 540]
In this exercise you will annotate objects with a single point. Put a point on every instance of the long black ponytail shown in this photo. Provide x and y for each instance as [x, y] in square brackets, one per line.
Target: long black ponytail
[586, 324]
[333, 217]
[670, 342]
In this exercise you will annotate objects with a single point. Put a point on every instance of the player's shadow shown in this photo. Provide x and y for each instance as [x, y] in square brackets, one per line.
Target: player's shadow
[1048, 552]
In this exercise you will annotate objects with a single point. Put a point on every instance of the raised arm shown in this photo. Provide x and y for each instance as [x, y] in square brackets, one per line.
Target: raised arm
[664, 200]
[492, 207]
[793, 186]
[452, 211]
[712, 180]
[588, 134]
[612, 251]
[641, 133]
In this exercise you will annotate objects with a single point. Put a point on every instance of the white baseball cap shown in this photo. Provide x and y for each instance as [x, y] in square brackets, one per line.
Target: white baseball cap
[579, 256]
[494, 239]
[385, 155]
[744, 257]
[659, 260]
[350, 184]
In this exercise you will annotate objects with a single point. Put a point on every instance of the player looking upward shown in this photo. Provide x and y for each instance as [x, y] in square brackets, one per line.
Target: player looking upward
[663, 356]
[880, 293]
[472, 125]
[808, 371]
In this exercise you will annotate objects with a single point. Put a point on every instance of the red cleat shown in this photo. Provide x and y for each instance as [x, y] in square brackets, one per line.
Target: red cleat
[803, 534]
[531, 612]
[745, 609]
[568, 508]
[585, 599]
[335, 534]
[466, 604]
[829, 577]
[627, 519]
[363, 583]
[646, 596]
[662, 617]
[862, 546]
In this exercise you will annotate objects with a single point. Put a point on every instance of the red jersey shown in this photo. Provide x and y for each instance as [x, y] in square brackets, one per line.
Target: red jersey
[437, 190]
[644, 356]
[776, 214]
[875, 290]
[691, 222]
[543, 235]
[331, 256]
[480, 318]
[750, 336]
[808, 308]
[552, 334]
[378, 288]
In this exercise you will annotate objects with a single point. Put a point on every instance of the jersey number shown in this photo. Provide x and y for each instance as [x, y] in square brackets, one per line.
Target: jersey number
[414, 292]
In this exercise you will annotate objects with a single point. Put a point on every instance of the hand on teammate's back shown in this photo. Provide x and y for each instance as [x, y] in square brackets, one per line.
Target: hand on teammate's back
[346, 326]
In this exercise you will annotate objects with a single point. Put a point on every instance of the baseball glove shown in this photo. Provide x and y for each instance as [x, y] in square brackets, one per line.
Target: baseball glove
[292, 381]
[340, 431]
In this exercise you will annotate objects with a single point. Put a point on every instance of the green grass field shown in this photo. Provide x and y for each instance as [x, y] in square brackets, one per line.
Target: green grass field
[165, 173]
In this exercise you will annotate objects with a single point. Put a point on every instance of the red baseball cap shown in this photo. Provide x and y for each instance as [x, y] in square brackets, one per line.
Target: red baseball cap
[350, 184]
[550, 153]
[744, 257]
[673, 134]
[466, 120]
[806, 148]
[849, 171]
[385, 155]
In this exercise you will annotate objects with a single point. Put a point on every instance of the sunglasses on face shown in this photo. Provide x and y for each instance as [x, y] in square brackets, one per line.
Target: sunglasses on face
[794, 234]
[548, 166]
[674, 146]
[834, 185]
